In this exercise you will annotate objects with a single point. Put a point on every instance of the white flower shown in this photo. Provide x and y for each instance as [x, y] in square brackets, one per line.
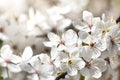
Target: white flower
[109, 59]
[93, 67]
[89, 22]
[71, 63]
[10, 7]
[45, 59]
[103, 27]
[56, 18]
[39, 70]
[74, 6]
[92, 43]
[8, 59]
[3, 37]
[37, 22]
[113, 41]
[25, 56]
[68, 38]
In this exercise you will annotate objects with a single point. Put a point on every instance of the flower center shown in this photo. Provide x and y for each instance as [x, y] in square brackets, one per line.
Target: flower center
[1, 30]
[119, 24]
[52, 62]
[107, 59]
[112, 41]
[37, 72]
[105, 31]
[90, 26]
[8, 61]
[88, 64]
[70, 62]
[92, 44]
[76, 44]
[62, 42]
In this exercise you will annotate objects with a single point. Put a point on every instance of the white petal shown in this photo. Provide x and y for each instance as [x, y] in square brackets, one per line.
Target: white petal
[57, 63]
[14, 68]
[95, 72]
[73, 49]
[95, 20]
[53, 37]
[2, 62]
[61, 47]
[26, 67]
[54, 53]
[105, 54]
[101, 46]
[63, 67]
[103, 17]
[70, 37]
[34, 77]
[27, 54]
[100, 63]
[16, 59]
[85, 51]
[34, 60]
[79, 63]
[44, 58]
[72, 71]
[78, 24]
[3, 37]
[82, 35]
[6, 52]
[50, 44]
[31, 13]
[91, 72]
[87, 16]
[63, 56]
[95, 53]
[85, 72]
[64, 23]
[46, 69]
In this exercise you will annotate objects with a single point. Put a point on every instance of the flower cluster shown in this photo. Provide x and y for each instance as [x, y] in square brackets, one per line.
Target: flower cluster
[86, 50]
[22, 21]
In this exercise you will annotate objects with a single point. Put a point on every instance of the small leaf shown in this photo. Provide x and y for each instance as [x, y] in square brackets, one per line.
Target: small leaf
[1, 78]
[1, 43]
[61, 76]
[0, 70]
[82, 77]
[84, 44]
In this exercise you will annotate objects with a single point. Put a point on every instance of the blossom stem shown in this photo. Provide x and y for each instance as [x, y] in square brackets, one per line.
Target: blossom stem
[82, 77]
[7, 72]
[38, 77]
[1, 78]
[0, 70]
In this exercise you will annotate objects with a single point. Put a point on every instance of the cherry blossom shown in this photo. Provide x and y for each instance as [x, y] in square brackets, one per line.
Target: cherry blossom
[8, 59]
[66, 39]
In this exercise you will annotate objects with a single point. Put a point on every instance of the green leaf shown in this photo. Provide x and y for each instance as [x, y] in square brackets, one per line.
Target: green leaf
[82, 77]
[84, 44]
[1, 78]
[0, 70]
[1, 43]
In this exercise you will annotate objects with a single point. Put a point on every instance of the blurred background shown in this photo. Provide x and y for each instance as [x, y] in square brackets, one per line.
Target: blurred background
[26, 22]
[109, 7]
[22, 20]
